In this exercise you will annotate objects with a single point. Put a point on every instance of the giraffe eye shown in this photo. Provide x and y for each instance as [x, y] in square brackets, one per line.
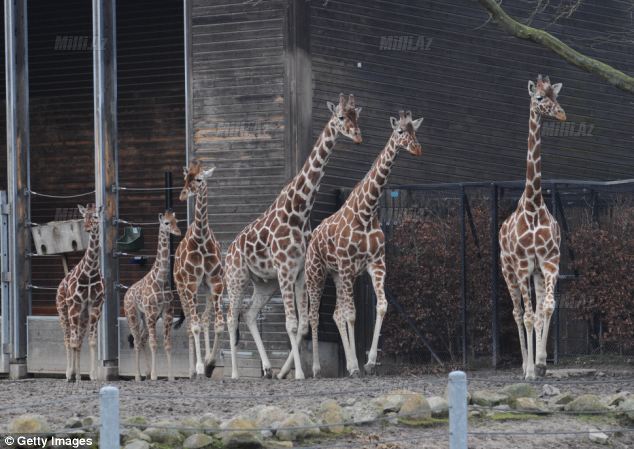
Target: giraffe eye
[539, 98]
[341, 117]
[400, 131]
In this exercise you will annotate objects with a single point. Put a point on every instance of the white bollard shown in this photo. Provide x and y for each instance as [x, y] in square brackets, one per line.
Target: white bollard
[457, 410]
[109, 409]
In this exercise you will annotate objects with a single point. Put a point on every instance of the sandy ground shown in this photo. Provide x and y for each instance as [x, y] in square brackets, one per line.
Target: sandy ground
[58, 400]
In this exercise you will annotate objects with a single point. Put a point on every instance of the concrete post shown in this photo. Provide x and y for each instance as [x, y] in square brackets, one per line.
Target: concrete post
[109, 415]
[457, 410]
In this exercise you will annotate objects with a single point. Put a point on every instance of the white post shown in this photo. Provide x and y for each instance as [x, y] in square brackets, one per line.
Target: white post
[109, 408]
[457, 410]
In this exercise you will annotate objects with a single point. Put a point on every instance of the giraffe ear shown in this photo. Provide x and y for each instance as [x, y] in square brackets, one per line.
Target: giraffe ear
[531, 88]
[358, 111]
[161, 218]
[82, 210]
[208, 173]
[394, 122]
[557, 88]
[416, 123]
[331, 107]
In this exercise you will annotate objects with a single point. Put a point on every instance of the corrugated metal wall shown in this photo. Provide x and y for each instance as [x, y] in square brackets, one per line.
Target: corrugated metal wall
[469, 83]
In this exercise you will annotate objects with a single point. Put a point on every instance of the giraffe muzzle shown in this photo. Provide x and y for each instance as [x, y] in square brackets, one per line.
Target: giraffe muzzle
[561, 115]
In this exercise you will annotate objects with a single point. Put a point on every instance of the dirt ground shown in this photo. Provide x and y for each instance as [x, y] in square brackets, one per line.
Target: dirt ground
[58, 401]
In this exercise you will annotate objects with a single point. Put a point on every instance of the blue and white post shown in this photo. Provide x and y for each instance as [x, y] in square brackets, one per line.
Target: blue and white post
[109, 411]
[457, 410]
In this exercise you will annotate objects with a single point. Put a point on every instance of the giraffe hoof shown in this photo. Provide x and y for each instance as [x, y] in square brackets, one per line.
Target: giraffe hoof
[209, 368]
[267, 373]
[369, 368]
[540, 370]
[316, 374]
[354, 374]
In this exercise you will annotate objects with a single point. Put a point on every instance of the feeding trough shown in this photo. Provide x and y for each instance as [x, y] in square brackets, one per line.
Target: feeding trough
[131, 240]
[60, 237]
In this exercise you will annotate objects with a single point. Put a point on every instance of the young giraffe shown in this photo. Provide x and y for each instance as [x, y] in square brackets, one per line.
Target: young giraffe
[198, 259]
[530, 237]
[79, 300]
[351, 241]
[151, 297]
[273, 247]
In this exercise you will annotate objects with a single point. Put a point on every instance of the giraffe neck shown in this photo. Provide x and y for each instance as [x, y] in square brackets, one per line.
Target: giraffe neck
[533, 189]
[368, 192]
[90, 261]
[308, 179]
[201, 219]
[161, 266]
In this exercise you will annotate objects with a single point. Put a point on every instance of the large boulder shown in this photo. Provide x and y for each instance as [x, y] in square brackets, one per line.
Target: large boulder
[549, 391]
[596, 436]
[488, 398]
[392, 401]
[137, 444]
[163, 432]
[361, 412]
[561, 399]
[270, 416]
[439, 406]
[521, 390]
[297, 426]
[29, 423]
[614, 400]
[331, 415]
[210, 423]
[238, 433]
[626, 408]
[198, 441]
[133, 433]
[530, 405]
[586, 403]
[415, 408]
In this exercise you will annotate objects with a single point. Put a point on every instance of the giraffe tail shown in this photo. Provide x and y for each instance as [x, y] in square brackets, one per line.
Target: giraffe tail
[180, 321]
[131, 341]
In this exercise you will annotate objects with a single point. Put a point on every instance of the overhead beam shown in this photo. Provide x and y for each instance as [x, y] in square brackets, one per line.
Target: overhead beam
[106, 174]
[17, 100]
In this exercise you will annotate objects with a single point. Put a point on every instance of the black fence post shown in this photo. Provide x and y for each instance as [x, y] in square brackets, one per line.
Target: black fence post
[463, 281]
[168, 206]
[557, 299]
[495, 337]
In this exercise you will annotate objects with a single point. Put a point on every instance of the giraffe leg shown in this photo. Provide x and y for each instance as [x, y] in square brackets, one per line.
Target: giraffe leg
[215, 287]
[345, 301]
[83, 326]
[74, 321]
[340, 321]
[187, 292]
[315, 279]
[133, 325]
[236, 279]
[548, 308]
[516, 297]
[95, 315]
[168, 318]
[529, 322]
[287, 279]
[302, 330]
[540, 356]
[377, 273]
[62, 311]
[262, 292]
[152, 343]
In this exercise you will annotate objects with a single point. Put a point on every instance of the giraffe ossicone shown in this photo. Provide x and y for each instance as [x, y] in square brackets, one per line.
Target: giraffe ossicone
[150, 298]
[80, 297]
[530, 238]
[351, 241]
[197, 260]
[273, 246]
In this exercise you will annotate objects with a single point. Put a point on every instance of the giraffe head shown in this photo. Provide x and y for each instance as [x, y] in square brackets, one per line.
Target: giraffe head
[544, 98]
[404, 133]
[91, 214]
[195, 179]
[169, 223]
[346, 116]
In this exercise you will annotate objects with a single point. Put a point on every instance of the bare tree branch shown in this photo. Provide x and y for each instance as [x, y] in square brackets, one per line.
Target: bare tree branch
[613, 76]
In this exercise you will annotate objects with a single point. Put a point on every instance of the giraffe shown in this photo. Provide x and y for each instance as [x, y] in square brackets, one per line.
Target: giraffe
[149, 298]
[351, 241]
[79, 299]
[272, 248]
[198, 259]
[529, 239]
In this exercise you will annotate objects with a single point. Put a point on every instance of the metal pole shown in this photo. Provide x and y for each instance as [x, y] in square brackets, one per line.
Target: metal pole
[5, 339]
[556, 292]
[463, 280]
[109, 416]
[189, 107]
[106, 172]
[457, 410]
[168, 206]
[18, 176]
[495, 251]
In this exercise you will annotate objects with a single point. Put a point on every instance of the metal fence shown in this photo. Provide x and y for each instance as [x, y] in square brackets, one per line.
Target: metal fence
[449, 301]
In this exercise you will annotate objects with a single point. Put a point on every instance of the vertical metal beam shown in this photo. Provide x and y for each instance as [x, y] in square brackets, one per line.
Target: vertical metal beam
[463, 277]
[495, 254]
[106, 172]
[17, 99]
[168, 205]
[557, 305]
[189, 108]
[5, 284]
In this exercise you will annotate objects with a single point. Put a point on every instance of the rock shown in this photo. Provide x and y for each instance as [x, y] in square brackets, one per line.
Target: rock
[161, 433]
[297, 426]
[475, 413]
[139, 421]
[133, 433]
[489, 398]
[270, 416]
[137, 444]
[572, 372]
[549, 390]
[192, 425]
[240, 435]
[502, 408]
[596, 436]
[439, 406]
[331, 415]
[615, 399]
[29, 423]
[626, 408]
[392, 401]
[210, 423]
[586, 403]
[266, 433]
[361, 412]
[521, 390]
[561, 399]
[275, 444]
[415, 407]
[530, 405]
[88, 421]
[73, 423]
[198, 441]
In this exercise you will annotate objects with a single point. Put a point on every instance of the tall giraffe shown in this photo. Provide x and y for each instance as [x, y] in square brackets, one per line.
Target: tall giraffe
[351, 241]
[198, 259]
[79, 299]
[272, 248]
[530, 237]
[149, 298]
